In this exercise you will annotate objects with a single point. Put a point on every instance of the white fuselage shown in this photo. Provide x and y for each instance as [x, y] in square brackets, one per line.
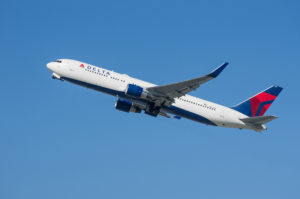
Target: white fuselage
[115, 84]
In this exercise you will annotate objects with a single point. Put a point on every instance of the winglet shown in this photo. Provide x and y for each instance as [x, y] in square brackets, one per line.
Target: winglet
[217, 71]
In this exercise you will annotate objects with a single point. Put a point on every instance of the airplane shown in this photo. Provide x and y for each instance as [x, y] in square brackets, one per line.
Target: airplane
[134, 95]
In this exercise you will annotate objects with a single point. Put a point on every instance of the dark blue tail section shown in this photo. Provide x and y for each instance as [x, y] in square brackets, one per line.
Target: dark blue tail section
[258, 104]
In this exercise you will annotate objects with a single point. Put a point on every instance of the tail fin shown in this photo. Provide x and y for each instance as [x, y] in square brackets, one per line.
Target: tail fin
[259, 104]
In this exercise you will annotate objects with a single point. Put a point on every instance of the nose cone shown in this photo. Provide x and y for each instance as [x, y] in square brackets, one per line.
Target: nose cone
[51, 66]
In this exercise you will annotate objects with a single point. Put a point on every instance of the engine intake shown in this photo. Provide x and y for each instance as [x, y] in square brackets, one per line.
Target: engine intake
[126, 106]
[133, 90]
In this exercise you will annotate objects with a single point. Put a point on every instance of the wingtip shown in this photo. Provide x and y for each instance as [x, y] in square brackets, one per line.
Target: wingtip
[274, 116]
[217, 71]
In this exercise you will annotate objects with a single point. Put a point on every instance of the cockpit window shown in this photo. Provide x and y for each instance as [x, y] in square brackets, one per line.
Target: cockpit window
[58, 61]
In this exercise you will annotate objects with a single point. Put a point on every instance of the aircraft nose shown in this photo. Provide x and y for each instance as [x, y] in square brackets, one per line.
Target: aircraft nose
[51, 66]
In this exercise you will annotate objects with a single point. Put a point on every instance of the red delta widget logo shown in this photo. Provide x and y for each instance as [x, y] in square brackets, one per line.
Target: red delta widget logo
[260, 103]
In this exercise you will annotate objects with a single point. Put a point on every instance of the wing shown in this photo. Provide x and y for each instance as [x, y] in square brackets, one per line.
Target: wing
[166, 93]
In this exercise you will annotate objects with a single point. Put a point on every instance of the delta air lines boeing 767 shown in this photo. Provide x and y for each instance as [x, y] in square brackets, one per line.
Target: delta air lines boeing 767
[134, 95]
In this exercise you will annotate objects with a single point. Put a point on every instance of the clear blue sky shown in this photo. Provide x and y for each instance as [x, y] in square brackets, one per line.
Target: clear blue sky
[59, 140]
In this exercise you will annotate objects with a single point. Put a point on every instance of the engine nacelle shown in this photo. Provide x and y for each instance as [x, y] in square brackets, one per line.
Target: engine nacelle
[126, 106]
[56, 76]
[135, 91]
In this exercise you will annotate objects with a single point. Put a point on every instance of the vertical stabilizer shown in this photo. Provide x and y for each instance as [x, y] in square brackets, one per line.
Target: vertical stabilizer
[258, 104]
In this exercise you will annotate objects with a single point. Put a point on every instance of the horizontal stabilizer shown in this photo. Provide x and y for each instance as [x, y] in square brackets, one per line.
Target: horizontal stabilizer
[258, 120]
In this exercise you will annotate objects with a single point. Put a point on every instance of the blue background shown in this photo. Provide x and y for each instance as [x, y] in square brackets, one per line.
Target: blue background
[58, 140]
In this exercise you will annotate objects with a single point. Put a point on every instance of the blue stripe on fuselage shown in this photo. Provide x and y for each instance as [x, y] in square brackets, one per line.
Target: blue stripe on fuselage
[171, 109]
[187, 114]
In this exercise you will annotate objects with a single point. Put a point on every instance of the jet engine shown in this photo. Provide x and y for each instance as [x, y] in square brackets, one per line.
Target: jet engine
[133, 90]
[126, 106]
